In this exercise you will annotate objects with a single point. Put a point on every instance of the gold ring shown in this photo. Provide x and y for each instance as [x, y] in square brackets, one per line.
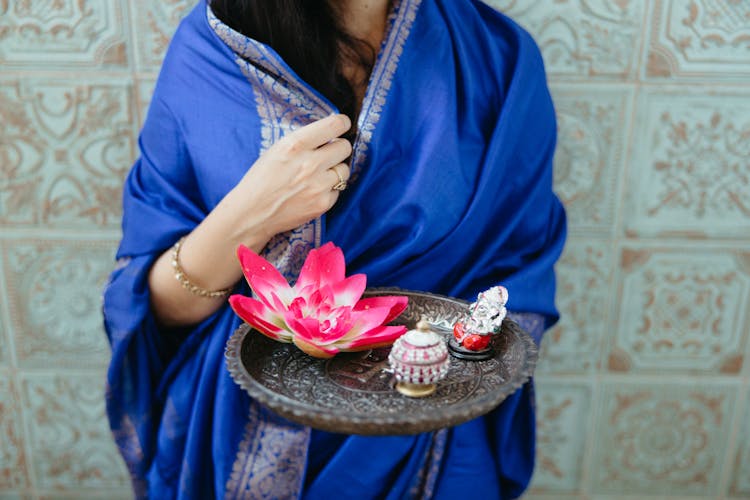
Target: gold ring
[341, 184]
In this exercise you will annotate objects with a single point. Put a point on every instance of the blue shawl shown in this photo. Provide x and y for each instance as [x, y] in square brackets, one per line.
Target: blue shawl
[451, 193]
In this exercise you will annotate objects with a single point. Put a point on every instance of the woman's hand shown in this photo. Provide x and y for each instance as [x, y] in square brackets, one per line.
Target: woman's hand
[290, 184]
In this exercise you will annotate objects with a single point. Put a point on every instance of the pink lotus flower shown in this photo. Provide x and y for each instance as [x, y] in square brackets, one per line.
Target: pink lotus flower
[322, 313]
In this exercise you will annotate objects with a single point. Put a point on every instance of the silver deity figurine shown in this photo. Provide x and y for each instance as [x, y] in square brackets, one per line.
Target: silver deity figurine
[472, 337]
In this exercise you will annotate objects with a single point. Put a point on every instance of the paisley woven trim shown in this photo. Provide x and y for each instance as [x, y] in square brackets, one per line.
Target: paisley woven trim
[283, 104]
[126, 437]
[423, 486]
[533, 323]
[399, 26]
[268, 462]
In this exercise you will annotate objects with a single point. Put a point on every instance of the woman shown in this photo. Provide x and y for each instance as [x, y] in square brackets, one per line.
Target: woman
[446, 187]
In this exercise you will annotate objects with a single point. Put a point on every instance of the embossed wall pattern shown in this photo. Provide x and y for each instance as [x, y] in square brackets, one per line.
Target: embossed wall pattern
[643, 387]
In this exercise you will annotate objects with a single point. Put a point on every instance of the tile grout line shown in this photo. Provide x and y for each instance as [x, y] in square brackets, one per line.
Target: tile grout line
[585, 485]
[94, 76]
[733, 444]
[130, 15]
[7, 324]
[614, 310]
[26, 424]
[745, 373]
[647, 29]
[708, 378]
[15, 376]
[740, 84]
[100, 234]
[629, 109]
[674, 378]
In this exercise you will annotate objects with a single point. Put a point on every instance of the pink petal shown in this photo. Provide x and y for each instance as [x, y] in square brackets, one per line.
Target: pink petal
[307, 328]
[370, 317]
[333, 265]
[364, 321]
[323, 266]
[275, 297]
[377, 337]
[256, 314]
[396, 303]
[319, 297]
[346, 292]
[335, 334]
[313, 349]
[254, 265]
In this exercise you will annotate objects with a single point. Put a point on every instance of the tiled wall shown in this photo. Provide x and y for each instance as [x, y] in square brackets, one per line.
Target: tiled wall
[644, 386]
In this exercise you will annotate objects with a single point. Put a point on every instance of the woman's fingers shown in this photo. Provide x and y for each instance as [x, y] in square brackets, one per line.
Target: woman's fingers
[316, 134]
[333, 153]
[341, 172]
[301, 176]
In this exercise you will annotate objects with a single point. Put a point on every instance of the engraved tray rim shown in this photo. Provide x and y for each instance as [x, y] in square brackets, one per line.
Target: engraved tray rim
[379, 424]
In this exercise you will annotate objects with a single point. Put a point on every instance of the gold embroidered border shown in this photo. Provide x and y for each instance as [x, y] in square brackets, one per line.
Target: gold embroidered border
[281, 109]
[400, 23]
[285, 103]
[256, 473]
[423, 485]
[126, 437]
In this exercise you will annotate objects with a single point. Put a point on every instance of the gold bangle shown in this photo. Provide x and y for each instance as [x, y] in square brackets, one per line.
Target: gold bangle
[179, 275]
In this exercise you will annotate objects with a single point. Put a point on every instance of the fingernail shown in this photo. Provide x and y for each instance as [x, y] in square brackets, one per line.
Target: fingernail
[346, 121]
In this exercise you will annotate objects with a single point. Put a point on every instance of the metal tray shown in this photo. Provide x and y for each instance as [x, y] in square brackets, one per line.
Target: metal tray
[351, 393]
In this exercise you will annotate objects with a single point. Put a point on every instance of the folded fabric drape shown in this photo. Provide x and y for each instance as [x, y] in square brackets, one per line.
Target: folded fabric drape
[451, 193]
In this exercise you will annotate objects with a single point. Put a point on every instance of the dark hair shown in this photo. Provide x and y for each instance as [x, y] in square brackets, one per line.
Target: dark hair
[309, 36]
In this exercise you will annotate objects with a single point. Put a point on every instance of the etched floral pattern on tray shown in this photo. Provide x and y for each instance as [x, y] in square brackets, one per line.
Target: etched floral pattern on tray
[353, 393]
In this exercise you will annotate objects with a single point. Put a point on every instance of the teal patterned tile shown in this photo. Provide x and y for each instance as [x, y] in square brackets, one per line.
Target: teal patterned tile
[690, 172]
[584, 276]
[15, 495]
[708, 39]
[54, 289]
[740, 482]
[70, 440]
[563, 409]
[155, 23]
[582, 38]
[63, 34]
[659, 439]
[85, 494]
[651, 497]
[13, 460]
[593, 124]
[533, 495]
[681, 310]
[65, 147]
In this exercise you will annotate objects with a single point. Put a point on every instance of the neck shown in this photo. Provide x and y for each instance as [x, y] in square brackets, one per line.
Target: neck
[365, 19]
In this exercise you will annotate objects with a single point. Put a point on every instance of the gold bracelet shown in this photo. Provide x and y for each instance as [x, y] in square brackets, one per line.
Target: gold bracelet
[179, 275]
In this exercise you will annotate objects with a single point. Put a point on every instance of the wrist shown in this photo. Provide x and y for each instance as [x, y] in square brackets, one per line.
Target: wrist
[247, 224]
[187, 283]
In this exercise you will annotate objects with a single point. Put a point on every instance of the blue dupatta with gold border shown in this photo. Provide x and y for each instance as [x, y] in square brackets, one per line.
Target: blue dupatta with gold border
[451, 193]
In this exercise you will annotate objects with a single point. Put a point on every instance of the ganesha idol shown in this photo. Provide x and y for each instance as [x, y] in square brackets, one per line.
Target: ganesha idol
[472, 337]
